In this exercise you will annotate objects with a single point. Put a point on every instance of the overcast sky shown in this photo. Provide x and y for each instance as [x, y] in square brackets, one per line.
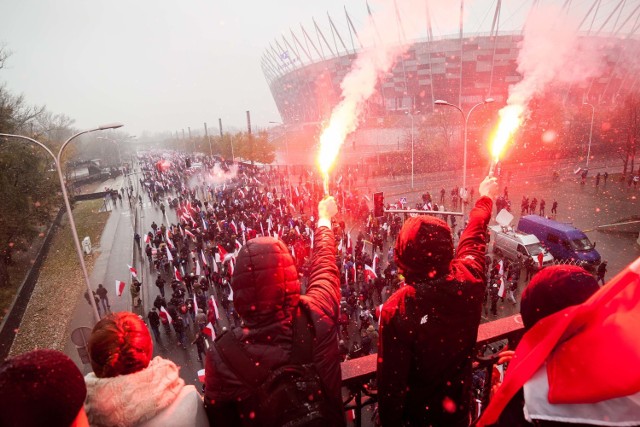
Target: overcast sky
[165, 65]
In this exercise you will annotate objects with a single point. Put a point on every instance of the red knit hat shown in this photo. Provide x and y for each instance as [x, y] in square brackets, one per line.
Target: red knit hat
[40, 388]
[424, 247]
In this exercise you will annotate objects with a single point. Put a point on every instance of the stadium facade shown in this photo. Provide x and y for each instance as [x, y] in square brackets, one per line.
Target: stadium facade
[304, 69]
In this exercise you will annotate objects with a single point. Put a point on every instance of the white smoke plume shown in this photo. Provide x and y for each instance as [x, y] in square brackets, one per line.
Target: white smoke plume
[552, 52]
[385, 41]
[216, 177]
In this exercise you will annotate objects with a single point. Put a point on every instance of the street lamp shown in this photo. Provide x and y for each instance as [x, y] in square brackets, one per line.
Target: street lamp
[593, 113]
[466, 124]
[412, 140]
[65, 196]
[286, 145]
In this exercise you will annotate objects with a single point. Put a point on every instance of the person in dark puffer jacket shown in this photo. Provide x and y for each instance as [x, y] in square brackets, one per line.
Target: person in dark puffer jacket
[428, 328]
[266, 293]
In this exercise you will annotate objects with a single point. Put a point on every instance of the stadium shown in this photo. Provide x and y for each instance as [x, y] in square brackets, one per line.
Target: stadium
[304, 68]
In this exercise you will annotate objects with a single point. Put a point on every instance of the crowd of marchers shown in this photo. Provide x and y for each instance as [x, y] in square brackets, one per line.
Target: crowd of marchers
[264, 278]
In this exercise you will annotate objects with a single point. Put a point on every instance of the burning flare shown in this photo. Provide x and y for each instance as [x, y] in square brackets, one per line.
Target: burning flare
[343, 122]
[510, 119]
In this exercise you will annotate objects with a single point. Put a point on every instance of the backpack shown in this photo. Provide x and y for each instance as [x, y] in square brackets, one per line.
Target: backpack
[290, 395]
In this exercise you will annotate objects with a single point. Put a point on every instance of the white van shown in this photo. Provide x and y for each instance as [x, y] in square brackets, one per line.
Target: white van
[508, 243]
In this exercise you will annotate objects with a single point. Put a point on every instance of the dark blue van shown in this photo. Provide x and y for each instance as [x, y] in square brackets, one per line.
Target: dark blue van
[564, 241]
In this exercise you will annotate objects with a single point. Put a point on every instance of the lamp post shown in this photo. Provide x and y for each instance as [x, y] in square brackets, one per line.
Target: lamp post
[286, 145]
[466, 125]
[412, 141]
[65, 196]
[593, 113]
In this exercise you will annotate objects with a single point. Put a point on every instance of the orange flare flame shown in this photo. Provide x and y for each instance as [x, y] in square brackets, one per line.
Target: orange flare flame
[510, 119]
[343, 121]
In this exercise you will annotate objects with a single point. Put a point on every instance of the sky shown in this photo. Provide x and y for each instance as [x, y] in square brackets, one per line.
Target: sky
[167, 65]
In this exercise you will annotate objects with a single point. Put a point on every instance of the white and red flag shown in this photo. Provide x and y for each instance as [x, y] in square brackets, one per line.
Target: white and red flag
[190, 234]
[204, 258]
[195, 305]
[232, 266]
[165, 315]
[214, 306]
[119, 287]
[223, 253]
[369, 273]
[147, 238]
[209, 331]
[133, 271]
[169, 242]
[376, 258]
[177, 274]
[574, 344]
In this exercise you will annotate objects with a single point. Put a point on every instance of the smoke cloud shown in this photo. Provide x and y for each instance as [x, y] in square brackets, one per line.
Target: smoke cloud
[552, 52]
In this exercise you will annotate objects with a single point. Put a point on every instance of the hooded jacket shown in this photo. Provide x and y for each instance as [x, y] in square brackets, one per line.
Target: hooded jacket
[428, 331]
[266, 295]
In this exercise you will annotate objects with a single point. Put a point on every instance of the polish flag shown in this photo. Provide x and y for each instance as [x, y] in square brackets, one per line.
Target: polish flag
[232, 266]
[119, 287]
[198, 272]
[369, 273]
[209, 331]
[233, 227]
[223, 253]
[375, 261]
[501, 289]
[238, 246]
[147, 238]
[133, 271]
[177, 274]
[195, 305]
[214, 306]
[169, 242]
[190, 234]
[165, 315]
[576, 343]
[204, 258]
[169, 256]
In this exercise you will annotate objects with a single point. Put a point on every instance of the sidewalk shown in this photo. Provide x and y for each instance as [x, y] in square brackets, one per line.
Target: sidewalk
[83, 315]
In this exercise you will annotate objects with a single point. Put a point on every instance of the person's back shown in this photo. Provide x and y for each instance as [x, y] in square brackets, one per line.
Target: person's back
[267, 295]
[428, 328]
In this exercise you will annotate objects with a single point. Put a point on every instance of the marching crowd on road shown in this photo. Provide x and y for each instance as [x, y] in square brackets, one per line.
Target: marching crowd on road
[271, 285]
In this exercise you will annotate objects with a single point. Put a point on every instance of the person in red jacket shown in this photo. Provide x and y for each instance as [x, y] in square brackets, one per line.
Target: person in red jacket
[266, 295]
[428, 328]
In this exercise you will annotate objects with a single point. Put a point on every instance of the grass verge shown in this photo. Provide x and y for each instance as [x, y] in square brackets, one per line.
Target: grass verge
[60, 283]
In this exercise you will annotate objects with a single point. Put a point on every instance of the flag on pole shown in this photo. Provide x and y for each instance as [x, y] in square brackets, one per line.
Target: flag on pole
[232, 266]
[195, 305]
[119, 287]
[169, 256]
[169, 242]
[209, 331]
[375, 262]
[165, 314]
[214, 306]
[190, 234]
[223, 253]
[133, 271]
[215, 267]
[147, 238]
[198, 272]
[501, 290]
[204, 258]
[177, 274]
[369, 273]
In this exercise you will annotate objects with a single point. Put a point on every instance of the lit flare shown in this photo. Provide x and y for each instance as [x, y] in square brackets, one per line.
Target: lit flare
[343, 122]
[510, 119]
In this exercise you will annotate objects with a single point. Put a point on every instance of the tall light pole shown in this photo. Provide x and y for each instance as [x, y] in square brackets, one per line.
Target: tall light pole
[593, 113]
[286, 145]
[411, 114]
[65, 196]
[465, 119]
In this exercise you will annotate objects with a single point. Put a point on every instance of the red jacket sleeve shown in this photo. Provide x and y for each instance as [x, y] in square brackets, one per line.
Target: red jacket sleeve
[472, 246]
[324, 277]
